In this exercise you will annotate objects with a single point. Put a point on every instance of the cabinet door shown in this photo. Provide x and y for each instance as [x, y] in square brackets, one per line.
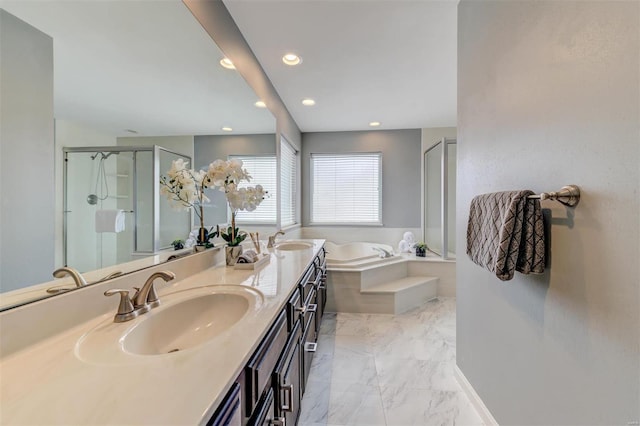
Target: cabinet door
[306, 284]
[308, 348]
[288, 379]
[264, 415]
[229, 413]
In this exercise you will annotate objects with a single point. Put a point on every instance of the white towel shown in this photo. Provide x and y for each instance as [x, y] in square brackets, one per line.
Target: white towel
[110, 220]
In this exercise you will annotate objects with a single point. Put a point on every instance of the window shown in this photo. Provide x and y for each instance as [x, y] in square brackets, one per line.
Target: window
[346, 188]
[288, 179]
[262, 169]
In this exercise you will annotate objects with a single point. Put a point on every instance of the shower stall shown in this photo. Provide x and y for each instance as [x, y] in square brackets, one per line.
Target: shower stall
[122, 181]
[440, 198]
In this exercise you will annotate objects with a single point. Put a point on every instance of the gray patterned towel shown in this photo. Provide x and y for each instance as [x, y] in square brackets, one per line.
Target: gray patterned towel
[506, 233]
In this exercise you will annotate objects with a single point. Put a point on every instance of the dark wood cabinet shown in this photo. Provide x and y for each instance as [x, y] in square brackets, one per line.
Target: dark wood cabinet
[270, 388]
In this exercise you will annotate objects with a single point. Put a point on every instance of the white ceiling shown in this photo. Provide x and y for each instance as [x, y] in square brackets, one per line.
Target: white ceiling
[392, 61]
[141, 65]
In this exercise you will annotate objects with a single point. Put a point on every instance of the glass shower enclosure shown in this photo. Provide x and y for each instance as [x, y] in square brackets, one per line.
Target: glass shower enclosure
[440, 198]
[123, 181]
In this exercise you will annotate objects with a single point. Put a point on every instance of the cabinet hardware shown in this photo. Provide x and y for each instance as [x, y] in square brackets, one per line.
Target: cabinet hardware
[278, 421]
[288, 398]
[310, 347]
[312, 307]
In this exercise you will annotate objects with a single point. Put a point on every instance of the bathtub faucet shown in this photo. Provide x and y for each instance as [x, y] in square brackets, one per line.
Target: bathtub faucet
[383, 253]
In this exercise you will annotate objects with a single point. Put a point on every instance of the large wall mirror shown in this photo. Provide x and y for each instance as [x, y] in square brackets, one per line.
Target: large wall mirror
[130, 77]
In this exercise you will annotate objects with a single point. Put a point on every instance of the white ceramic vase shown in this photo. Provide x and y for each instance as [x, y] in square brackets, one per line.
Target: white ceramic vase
[232, 253]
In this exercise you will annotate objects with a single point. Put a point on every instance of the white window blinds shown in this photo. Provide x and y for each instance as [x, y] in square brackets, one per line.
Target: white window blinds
[262, 169]
[346, 188]
[288, 179]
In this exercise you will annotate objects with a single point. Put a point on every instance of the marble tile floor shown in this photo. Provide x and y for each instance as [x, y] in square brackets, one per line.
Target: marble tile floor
[377, 369]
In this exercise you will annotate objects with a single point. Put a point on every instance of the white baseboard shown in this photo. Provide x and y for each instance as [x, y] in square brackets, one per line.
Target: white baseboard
[482, 409]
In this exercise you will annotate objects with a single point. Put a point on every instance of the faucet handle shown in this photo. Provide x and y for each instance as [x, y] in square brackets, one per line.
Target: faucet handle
[126, 311]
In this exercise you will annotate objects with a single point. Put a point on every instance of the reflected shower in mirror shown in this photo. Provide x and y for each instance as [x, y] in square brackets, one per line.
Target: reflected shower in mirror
[148, 75]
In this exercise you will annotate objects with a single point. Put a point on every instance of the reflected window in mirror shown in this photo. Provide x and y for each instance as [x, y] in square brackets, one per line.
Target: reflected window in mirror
[263, 171]
[288, 181]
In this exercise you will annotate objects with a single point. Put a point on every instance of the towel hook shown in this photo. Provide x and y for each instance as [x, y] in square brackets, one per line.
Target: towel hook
[568, 195]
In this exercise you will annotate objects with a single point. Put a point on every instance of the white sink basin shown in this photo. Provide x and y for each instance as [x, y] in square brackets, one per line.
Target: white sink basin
[186, 320]
[186, 324]
[293, 245]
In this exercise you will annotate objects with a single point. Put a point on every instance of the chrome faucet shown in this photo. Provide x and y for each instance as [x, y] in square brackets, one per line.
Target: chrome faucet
[77, 277]
[146, 297]
[144, 300]
[272, 239]
[110, 276]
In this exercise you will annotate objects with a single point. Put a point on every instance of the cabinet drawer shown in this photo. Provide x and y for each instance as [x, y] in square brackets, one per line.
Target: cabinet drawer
[263, 361]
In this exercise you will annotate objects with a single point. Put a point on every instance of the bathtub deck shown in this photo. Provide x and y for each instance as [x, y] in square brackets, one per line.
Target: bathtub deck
[383, 288]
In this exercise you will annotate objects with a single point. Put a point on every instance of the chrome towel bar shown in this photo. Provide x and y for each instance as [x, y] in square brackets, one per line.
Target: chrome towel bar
[569, 195]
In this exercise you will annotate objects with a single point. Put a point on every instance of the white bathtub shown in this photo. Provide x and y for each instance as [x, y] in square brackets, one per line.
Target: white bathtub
[355, 255]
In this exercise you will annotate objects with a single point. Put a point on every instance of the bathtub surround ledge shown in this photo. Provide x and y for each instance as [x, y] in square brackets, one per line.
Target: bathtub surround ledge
[382, 286]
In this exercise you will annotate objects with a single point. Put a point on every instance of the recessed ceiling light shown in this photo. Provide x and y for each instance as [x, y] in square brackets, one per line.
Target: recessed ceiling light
[374, 124]
[226, 62]
[291, 59]
[308, 102]
[227, 129]
[260, 104]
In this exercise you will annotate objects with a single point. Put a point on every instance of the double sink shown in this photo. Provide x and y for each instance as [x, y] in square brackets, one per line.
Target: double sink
[185, 320]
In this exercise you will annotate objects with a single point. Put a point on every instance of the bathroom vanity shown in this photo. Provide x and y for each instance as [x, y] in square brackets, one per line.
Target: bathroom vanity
[247, 366]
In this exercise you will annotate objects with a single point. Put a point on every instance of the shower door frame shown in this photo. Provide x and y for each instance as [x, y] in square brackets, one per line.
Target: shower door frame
[155, 230]
[444, 195]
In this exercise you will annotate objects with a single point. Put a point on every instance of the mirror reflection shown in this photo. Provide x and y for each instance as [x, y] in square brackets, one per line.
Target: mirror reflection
[135, 86]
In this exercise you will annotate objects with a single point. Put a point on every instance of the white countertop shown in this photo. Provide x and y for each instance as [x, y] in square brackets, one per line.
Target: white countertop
[49, 383]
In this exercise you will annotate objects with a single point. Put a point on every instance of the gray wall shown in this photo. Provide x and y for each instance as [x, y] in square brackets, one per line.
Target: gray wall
[210, 148]
[401, 158]
[216, 20]
[548, 95]
[26, 154]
